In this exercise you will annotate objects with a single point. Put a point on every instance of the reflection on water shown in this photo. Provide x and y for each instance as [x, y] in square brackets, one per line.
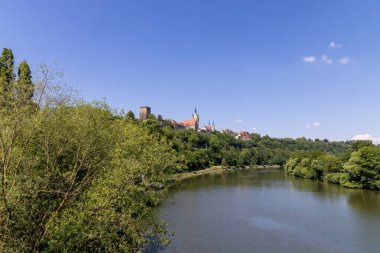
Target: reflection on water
[266, 211]
[363, 200]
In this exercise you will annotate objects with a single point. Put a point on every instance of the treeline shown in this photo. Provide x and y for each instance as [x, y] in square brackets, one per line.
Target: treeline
[200, 150]
[357, 168]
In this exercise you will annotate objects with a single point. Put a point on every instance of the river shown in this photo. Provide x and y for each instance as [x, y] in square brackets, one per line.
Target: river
[267, 211]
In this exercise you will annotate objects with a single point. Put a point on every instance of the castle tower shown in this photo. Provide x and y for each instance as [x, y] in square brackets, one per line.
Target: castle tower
[196, 117]
[144, 113]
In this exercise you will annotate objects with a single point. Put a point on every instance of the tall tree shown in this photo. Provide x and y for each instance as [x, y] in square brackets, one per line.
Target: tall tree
[24, 85]
[6, 76]
[130, 115]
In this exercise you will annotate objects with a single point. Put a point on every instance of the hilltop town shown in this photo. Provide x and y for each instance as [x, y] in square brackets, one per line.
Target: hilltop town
[193, 123]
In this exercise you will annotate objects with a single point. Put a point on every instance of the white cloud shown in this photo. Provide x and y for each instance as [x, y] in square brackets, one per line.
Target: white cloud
[362, 137]
[334, 45]
[239, 120]
[309, 59]
[344, 60]
[254, 128]
[313, 125]
[326, 59]
[366, 137]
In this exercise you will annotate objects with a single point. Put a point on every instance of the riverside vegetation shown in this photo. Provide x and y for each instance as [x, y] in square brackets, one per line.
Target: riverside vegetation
[78, 176]
[359, 167]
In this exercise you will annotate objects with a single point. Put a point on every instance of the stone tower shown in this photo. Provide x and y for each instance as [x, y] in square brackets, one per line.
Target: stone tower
[196, 117]
[144, 113]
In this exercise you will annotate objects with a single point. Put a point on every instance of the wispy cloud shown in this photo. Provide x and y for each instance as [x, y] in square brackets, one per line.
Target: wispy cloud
[309, 59]
[254, 128]
[314, 125]
[239, 120]
[366, 137]
[334, 45]
[344, 60]
[326, 59]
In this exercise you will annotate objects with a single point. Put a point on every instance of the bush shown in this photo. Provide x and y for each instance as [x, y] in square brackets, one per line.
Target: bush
[336, 178]
[363, 167]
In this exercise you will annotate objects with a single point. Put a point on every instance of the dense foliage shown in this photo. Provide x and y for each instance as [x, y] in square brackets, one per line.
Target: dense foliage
[358, 168]
[201, 150]
[75, 176]
[80, 177]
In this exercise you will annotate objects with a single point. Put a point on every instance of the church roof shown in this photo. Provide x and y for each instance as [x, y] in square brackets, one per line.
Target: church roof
[190, 122]
[207, 128]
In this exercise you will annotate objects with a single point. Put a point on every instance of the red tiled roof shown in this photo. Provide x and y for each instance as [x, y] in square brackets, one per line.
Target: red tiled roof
[189, 122]
[245, 134]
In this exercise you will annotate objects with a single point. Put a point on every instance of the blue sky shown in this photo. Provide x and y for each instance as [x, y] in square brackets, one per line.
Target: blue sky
[264, 65]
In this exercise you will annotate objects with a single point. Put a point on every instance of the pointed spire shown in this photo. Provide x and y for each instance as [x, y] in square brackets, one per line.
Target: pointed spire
[195, 110]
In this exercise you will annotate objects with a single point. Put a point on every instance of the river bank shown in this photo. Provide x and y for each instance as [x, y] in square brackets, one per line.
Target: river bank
[220, 169]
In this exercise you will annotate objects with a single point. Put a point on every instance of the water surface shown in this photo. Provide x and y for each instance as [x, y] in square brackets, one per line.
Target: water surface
[266, 211]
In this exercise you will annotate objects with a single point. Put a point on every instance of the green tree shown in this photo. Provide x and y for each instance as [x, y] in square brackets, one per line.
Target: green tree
[152, 117]
[116, 213]
[52, 162]
[230, 158]
[363, 168]
[24, 85]
[6, 76]
[197, 160]
[130, 116]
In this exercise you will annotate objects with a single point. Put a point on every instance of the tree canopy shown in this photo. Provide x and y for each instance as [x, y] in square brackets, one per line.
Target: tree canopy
[358, 168]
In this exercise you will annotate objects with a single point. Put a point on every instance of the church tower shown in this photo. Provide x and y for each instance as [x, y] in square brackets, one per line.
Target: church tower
[196, 117]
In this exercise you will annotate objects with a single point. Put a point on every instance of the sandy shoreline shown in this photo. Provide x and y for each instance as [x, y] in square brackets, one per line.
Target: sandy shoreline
[220, 169]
